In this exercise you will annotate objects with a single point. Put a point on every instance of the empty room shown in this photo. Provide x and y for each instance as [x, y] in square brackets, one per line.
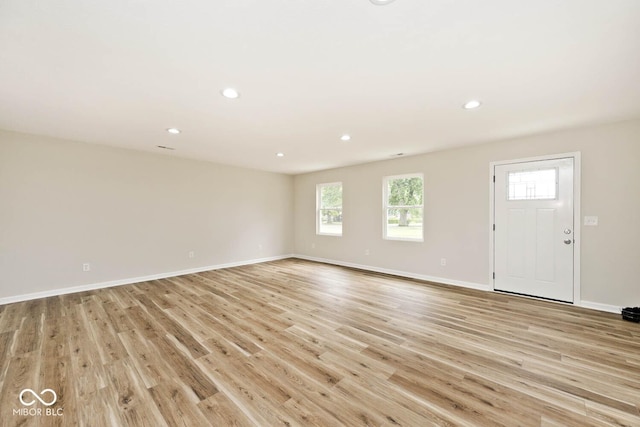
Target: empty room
[320, 213]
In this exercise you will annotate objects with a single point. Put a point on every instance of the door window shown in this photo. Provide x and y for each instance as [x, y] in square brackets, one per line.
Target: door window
[541, 184]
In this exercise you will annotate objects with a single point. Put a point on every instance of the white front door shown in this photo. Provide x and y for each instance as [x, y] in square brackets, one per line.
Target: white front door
[534, 230]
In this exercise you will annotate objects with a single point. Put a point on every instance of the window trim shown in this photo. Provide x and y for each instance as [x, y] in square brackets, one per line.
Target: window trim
[385, 206]
[319, 208]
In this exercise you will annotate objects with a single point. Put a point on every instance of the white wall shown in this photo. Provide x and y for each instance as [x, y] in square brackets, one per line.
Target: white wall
[457, 211]
[132, 214]
[129, 214]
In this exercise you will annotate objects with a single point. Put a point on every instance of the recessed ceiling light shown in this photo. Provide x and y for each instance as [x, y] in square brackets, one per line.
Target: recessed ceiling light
[345, 137]
[280, 154]
[472, 104]
[174, 131]
[381, 2]
[230, 93]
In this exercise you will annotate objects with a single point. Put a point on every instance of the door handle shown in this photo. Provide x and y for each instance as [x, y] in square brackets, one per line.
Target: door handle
[567, 241]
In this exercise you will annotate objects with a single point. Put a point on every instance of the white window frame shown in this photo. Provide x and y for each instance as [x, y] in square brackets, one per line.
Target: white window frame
[319, 208]
[385, 206]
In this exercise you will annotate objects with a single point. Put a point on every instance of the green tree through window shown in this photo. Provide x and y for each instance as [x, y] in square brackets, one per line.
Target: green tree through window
[329, 209]
[404, 207]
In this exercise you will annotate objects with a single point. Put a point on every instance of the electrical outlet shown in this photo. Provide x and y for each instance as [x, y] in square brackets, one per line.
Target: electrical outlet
[366, 252]
[86, 267]
[192, 254]
[443, 262]
[260, 247]
[313, 246]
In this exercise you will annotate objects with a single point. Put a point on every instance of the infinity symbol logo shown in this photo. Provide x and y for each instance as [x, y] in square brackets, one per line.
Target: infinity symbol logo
[45, 403]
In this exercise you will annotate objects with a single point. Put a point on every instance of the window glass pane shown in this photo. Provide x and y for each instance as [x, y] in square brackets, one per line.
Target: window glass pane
[331, 196]
[403, 207]
[404, 223]
[533, 185]
[405, 191]
[330, 221]
[329, 209]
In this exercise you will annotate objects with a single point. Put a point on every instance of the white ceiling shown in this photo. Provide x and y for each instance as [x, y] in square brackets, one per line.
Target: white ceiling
[119, 72]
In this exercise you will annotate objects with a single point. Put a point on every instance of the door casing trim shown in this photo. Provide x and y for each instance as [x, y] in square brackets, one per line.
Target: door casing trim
[577, 167]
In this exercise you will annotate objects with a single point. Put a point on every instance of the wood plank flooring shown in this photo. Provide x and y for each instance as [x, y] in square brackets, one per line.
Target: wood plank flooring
[297, 343]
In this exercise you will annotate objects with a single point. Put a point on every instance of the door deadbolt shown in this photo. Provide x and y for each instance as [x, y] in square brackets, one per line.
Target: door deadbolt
[567, 231]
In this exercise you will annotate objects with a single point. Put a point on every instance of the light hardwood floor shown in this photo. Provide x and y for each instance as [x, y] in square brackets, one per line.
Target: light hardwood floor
[299, 343]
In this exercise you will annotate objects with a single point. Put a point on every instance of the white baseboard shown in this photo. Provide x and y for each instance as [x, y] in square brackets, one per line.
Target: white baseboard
[407, 274]
[478, 286]
[600, 307]
[109, 284]
[120, 282]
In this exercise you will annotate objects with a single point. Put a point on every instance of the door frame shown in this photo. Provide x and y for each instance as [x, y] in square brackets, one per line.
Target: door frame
[576, 215]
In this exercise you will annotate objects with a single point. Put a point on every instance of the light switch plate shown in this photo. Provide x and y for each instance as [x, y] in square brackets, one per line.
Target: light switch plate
[590, 220]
